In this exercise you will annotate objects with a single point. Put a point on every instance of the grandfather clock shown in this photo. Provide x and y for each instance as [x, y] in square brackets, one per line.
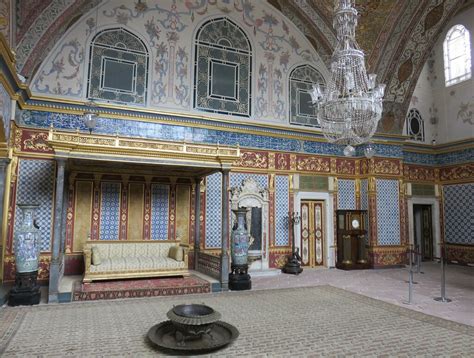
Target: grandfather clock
[351, 239]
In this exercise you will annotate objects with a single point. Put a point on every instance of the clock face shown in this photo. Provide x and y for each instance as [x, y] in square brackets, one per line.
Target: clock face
[355, 224]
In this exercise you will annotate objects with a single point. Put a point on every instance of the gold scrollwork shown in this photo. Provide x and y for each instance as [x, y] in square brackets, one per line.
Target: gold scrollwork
[419, 173]
[313, 164]
[387, 167]
[37, 142]
[461, 172]
[345, 167]
[252, 160]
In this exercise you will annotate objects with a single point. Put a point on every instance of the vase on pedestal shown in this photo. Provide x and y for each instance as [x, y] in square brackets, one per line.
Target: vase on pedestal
[239, 279]
[27, 252]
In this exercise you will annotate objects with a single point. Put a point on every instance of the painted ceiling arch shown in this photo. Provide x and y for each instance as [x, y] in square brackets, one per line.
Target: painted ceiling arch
[397, 36]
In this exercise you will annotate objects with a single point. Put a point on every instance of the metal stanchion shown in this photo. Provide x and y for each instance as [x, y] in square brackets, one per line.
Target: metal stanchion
[418, 259]
[410, 261]
[410, 278]
[443, 297]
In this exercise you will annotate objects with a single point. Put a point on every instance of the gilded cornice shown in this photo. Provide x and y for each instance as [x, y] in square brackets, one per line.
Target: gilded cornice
[100, 147]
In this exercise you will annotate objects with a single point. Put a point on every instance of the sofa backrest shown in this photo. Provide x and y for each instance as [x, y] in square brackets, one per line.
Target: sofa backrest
[132, 248]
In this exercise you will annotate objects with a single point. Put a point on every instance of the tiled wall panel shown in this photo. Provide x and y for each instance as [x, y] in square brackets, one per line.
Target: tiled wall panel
[346, 194]
[159, 211]
[388, 212]
[109, 211]
[213, 210]
[459, 213]
[36, 186]
[281, 210]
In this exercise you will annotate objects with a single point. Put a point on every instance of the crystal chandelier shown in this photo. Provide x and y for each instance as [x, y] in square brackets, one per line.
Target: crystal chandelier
[350, 106]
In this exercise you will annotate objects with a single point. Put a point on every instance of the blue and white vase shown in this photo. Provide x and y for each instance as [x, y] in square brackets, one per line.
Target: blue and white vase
[27, 241]
[240, 239]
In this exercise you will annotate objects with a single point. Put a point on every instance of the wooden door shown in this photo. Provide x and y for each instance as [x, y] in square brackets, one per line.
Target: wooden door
[426, 233]
[312, 232]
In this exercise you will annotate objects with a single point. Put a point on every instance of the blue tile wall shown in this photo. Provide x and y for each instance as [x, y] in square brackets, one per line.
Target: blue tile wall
[160, 194]
[213, 210]
[459, 213]
[461, 156]
[346, 194]
[236, 179]
[419, 158]
[190, 133]
[281, 210]
[388, 213]
[456, 157]
[36, 186]
[382, 150]
[109, 211]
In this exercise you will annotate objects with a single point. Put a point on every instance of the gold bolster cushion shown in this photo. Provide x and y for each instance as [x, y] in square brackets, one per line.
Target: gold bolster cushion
[176, 253]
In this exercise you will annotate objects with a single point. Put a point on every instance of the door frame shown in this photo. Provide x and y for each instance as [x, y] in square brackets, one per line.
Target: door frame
[435, 222]
[329, 249]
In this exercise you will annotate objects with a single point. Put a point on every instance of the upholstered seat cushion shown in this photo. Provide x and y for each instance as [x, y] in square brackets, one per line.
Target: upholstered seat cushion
[123, 264]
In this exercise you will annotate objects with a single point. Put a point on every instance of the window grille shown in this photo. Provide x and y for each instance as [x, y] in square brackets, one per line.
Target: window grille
[118, 67]
[415, 125]
[302, 111]
[223, 69]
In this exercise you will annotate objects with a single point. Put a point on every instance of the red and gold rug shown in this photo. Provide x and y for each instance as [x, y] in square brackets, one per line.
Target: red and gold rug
[106, 290]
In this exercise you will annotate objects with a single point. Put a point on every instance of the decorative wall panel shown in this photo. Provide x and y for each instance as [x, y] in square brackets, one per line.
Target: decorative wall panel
[213, 210]
[281, 210]
[109, 211]
[346, 194]
[160, 194]
[36, 186]
[388, 212]
[6, 106]
[459, 213]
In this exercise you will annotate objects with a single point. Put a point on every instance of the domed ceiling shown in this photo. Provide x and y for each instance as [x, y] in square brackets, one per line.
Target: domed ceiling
[397, 36]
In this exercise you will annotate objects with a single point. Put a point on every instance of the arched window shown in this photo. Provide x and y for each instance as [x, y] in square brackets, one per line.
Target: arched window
[223, 69]
[415, 125]
[457, 55]
[302, 111]
[118, 67]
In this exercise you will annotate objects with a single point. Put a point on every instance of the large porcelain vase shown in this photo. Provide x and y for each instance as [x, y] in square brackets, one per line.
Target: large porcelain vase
[240, 239]
[27, 242]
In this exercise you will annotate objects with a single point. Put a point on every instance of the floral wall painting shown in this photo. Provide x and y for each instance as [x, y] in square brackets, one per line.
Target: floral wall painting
[465, 112]
[168, 28]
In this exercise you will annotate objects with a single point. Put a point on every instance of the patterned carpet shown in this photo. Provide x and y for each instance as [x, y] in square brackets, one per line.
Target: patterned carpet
[171, 286]
[308, 321]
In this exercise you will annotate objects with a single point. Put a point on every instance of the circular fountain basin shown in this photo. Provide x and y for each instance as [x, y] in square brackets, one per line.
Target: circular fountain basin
[193, 320]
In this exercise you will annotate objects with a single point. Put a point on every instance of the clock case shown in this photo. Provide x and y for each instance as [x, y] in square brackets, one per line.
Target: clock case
[351, 241]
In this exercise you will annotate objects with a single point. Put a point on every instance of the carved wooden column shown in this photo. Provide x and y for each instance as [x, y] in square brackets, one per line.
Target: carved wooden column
[225, 231]
[54, 274]
[70, 213]
[95, 222]
[124, 208]
[147, 210]
[172, 211]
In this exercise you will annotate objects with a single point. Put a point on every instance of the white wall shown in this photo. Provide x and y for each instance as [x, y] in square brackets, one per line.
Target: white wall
[449, 105]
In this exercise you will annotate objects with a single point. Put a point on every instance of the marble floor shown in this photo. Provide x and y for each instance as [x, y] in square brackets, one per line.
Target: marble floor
[390, 285]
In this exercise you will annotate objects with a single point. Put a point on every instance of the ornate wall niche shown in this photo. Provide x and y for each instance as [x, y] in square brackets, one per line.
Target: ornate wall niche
[256, 199]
